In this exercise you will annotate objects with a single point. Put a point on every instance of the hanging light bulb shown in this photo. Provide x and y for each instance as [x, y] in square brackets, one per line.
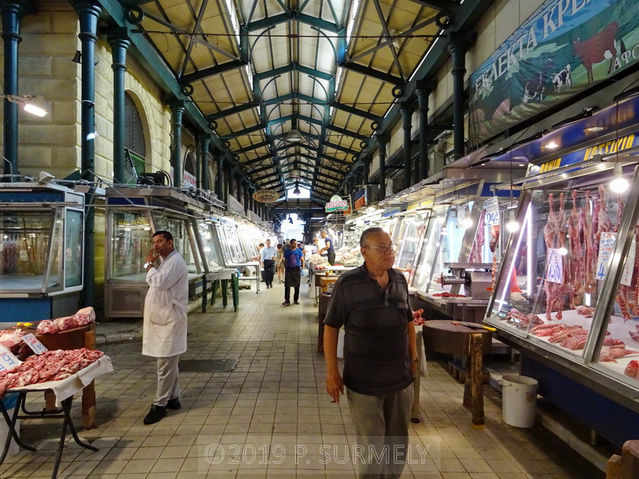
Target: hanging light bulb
[619, 184]
[513, 225]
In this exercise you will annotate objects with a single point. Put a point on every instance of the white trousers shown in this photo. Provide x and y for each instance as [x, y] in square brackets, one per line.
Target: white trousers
[168, 386]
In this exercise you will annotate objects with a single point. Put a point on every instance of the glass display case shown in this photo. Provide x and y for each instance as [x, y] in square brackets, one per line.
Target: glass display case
[133, 214]
[229, 240]
[569, 278]
[212, 252]
[41, 251]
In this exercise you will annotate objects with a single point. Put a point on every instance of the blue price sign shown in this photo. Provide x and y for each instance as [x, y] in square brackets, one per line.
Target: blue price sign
[7, 359]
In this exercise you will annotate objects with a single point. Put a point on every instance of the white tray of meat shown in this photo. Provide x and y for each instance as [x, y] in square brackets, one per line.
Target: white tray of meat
[72, 370]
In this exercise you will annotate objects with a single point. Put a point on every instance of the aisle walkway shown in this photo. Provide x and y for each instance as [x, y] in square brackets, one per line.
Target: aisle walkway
[270, 416]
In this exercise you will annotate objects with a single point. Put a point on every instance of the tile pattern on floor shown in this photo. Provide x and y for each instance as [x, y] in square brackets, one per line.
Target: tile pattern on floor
[270, 417]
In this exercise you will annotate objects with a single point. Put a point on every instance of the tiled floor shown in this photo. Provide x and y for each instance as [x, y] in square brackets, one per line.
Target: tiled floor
[271, 418]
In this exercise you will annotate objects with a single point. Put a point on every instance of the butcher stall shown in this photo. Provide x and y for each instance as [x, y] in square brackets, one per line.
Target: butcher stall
[133, 214]
[42, 255]
[449, 240]
[567, 291]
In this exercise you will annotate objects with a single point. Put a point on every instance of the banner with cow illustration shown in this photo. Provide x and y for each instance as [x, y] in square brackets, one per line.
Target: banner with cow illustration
[563, 48]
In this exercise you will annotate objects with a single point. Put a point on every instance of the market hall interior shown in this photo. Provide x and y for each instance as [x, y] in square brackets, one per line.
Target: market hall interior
[254, 406]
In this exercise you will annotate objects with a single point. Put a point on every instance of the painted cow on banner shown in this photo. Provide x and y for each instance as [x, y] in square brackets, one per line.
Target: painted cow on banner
[598, 48]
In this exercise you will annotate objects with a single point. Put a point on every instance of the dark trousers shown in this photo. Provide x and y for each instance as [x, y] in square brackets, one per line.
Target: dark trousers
[331, 257]
[292, 279]
[269, 271]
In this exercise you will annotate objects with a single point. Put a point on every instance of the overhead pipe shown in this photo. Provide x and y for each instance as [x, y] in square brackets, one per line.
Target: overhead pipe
[88, 12]
[407, 112]
[459, 43]
[177, 110]
[119, 42]
[424, 89]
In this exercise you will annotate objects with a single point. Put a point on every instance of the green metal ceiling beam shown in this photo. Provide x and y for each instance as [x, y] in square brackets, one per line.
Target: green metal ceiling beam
[346, 132]
[231, 111]
[257, 160]
[295, 96]
[150, 59]
[263, 24]
[445, 5]
[216, 70]
[245, 131]
[466, 15]
[340, 148]
[356, 111]
[290, 68]
[371, 72]
[251, 147]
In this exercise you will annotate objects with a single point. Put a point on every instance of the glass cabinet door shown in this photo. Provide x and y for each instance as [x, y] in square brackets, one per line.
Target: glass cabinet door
[130, 244]
[210, 249]
[430, 246]
[552, 274]
[183, 239]
[29, 248]
[619, 352]
[408, 243]
[74, 227]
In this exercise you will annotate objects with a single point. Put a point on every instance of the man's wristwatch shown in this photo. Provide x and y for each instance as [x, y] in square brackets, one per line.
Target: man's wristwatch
[146, 265]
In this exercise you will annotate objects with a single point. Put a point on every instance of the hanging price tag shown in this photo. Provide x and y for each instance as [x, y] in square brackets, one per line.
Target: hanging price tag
[606, 246]
[35, 345]
[7, 360]
[555, 273]
[626, 278]
[492, 212]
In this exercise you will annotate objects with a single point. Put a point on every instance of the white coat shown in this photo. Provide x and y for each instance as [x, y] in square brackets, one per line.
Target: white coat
[164, 328]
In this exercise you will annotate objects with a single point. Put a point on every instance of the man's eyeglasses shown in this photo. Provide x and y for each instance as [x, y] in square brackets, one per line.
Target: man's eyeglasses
[384, 248]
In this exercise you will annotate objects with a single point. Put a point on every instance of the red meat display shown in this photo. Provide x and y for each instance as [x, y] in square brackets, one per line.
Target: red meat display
[81, 318]
[49, 366]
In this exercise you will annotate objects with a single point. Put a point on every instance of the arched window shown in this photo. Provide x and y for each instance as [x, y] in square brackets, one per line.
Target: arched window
[134, 141]
[189, 170]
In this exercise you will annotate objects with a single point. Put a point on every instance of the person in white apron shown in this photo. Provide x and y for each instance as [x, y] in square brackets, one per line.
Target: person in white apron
[164, 327]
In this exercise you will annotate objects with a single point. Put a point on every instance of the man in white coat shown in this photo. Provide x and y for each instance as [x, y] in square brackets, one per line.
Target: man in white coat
[164, 330]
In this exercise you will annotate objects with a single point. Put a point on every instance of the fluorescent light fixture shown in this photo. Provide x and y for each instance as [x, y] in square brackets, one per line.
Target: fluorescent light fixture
[594, 129]
[28, 103]
[235, 24]
[34, 109]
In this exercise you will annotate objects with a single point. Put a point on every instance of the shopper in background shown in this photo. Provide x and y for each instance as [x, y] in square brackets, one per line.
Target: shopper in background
[267, 259]
[329, 247]
[279, 262]
[380, 355]
[164, 325]
[293, 262]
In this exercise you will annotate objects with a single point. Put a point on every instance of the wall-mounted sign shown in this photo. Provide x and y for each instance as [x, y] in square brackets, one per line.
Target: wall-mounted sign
[359, 199]
[336, 203]
[266, 196]
[189, 180]
[562, 49]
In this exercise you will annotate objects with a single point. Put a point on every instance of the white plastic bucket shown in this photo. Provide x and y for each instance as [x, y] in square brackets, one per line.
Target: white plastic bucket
[519, 398]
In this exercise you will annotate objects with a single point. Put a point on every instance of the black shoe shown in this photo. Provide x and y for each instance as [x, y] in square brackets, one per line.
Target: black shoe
[296, 302]
[155, 414]
[174, 404]
[286, 303]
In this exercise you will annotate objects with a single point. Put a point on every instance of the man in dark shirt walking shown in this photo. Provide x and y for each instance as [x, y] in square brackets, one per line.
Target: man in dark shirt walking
[380, 355]
[293, 262]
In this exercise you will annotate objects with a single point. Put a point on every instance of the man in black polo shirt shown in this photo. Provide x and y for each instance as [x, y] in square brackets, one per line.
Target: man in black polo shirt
[380, 355]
